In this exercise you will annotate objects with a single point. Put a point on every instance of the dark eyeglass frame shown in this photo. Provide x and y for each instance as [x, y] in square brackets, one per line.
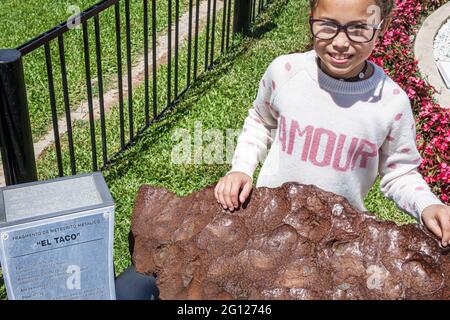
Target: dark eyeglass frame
[344, 27]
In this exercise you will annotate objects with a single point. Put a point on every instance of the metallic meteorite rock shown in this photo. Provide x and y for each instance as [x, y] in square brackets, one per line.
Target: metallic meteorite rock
[292, 242]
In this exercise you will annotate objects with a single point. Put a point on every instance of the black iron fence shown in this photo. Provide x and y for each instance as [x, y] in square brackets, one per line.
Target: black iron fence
[16, 138]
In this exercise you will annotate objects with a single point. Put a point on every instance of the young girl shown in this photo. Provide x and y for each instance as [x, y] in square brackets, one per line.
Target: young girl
[338, 120]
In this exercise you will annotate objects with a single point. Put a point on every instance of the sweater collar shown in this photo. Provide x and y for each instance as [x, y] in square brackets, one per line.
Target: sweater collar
[331, 84]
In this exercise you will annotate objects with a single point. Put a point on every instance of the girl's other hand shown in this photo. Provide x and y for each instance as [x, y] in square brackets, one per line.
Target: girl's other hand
[233, 188]
[437, 218]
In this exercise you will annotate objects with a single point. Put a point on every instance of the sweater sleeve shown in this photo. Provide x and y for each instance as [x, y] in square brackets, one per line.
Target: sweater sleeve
[259, 126]
[399, 160]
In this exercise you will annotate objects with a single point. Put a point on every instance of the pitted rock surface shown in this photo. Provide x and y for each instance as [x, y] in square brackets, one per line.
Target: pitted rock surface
[291, 242]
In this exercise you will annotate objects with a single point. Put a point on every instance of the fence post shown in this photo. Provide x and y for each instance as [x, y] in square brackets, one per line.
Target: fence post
[15, 131]
[241, 21]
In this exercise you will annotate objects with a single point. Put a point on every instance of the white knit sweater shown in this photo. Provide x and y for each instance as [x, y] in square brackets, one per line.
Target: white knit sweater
[313, 129]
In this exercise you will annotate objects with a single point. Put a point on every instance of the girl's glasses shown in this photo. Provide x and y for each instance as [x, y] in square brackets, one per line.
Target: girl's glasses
[356, 32]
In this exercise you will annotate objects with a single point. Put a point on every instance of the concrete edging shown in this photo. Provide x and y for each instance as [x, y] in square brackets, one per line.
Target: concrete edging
[424, 52]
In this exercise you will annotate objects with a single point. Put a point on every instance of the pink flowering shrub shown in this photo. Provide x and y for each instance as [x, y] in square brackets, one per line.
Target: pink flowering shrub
[395, 53]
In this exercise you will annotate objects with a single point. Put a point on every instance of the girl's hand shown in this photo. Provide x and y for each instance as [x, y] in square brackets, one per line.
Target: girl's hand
[228, 188]
[437, 218]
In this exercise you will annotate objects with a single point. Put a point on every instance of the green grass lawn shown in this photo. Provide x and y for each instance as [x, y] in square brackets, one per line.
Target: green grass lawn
[219, 100]
[24, 20]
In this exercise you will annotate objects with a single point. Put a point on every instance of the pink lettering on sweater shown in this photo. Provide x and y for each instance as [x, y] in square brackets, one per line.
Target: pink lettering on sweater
[295, 128]
[312, 139]
[331, 139]
[366, 150]
[338, 154]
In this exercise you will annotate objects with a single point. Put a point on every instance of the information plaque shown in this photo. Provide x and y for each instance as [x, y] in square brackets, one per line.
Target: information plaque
[56, 239]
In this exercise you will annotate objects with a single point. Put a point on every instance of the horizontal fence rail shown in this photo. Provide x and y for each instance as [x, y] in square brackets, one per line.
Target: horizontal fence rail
[181, 67]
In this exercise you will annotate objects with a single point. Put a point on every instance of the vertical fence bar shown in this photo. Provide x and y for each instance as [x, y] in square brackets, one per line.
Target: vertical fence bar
[119, 75]
[188, 81]
[241, 22]
[130, 76]
[207, 34]
[155, 100]
[213, 33]
[62, 62]
[224, 17]
[169, 53]
[229, 23]
[147, 98]
[89, 94]
[197, 14]
[98, 51]
[177, 17]
[15, 129]
[51, 90]
[254, 10]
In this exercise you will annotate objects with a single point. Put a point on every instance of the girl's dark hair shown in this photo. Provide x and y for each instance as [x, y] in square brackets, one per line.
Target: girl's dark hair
[387, 9]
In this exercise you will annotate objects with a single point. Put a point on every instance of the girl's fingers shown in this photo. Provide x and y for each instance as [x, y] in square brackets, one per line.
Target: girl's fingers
[216, 190]
[220, 194]
[234, 194]
[245, 191]
[227, 193]
[434, 226]
[445, 227]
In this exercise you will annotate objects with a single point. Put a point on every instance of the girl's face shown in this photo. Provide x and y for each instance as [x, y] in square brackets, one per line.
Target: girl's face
[342, 58]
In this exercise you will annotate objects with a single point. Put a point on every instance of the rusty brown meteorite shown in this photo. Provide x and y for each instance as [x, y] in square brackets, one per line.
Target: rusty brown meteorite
[292, 242]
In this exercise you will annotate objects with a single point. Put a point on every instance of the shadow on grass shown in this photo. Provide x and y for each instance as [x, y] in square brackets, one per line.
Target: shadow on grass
[258, 32]
[171, 119]
[124, 161]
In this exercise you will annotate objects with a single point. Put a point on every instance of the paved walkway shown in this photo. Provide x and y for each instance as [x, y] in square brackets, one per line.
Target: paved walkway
[424, 52]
